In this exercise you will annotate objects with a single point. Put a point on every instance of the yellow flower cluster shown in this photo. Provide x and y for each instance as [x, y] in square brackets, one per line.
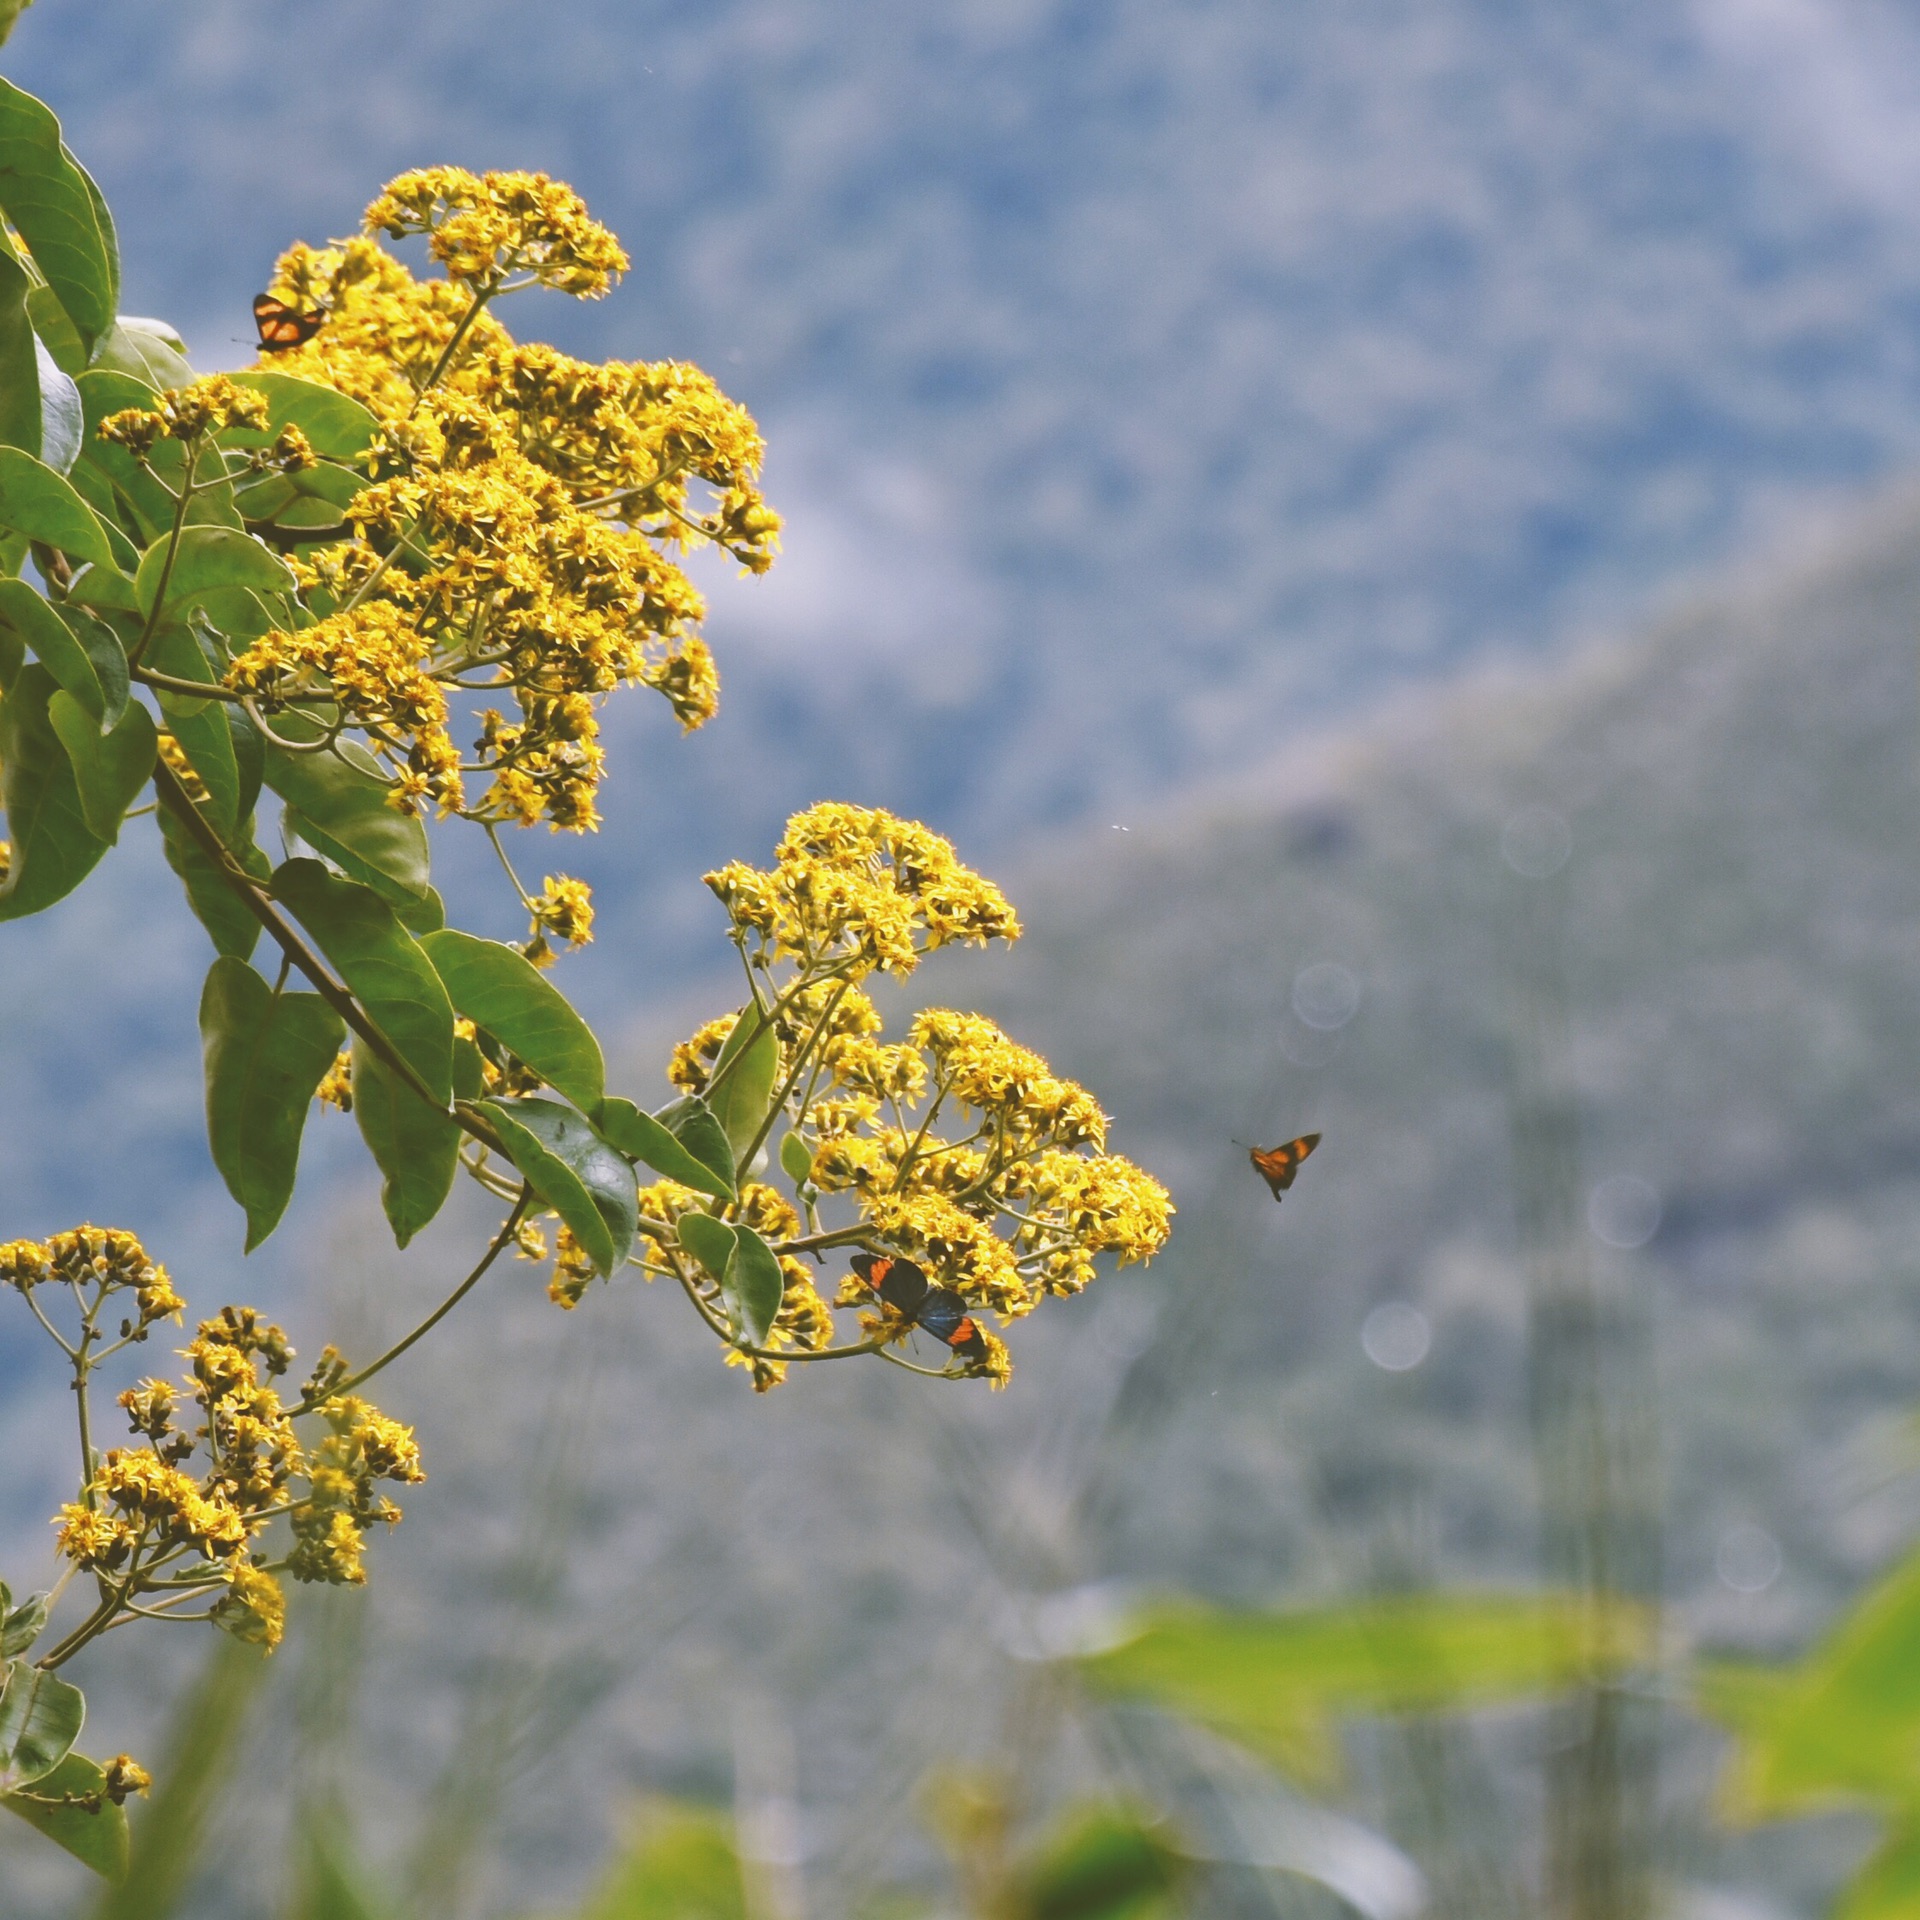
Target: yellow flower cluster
[563, 908]
[862, 891]
[208, 406]
[957, 1148]
[336, 1084]
[487, 228]
[524, 505]
[367, 664]
[329, 1526]
[158, 1527]
[106, 1259]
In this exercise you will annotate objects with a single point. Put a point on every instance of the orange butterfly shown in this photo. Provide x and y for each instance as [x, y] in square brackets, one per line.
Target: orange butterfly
[1278, 1165]
[283, 327]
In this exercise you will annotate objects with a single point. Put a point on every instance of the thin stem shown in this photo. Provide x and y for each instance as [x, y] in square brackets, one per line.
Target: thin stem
[130, 1611]
[185, 494]
[501, 1240]
[322, 745]
[793, 1073]
[53, 1332]
[825, 1242]
[386, 560]
[481, 295]
[84, 1412]
[493, 834]
[197, 689]
[926, 1373]
[940, 1093]
[175, 799]
[110, 1602]
[705, 1312]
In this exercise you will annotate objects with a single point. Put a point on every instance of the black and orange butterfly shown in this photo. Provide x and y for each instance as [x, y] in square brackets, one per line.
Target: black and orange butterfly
[284, 327]
[939, 1310]
[1277, 1166]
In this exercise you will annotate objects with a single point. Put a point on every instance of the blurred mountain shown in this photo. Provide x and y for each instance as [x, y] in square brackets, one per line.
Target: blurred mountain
[634, 1574]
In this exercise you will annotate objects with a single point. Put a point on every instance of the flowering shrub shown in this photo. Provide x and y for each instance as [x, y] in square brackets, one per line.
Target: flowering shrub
[388, 576]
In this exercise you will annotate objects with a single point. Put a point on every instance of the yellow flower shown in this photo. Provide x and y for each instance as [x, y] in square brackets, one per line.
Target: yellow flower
[564, 909]
[254, 1607]
[125, 1777]
[336, 1085]
[862, 887]
[572, 1270]
[187, 413]
[90, 1539]
[25, 1264]
[484, 229]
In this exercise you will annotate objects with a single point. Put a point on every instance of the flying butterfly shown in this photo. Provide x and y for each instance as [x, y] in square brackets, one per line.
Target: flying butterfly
[282, 326]
[1277, 1166]
[939, 1310]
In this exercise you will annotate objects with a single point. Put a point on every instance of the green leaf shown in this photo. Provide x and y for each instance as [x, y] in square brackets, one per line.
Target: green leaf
[679, 1864]
[109, 771]
[753, 1285]
[208, 558]
[109, 658]
[249, 757]
[413, 1145]
[743, 1076]
[710, 1241]
[330, 1882]
[40, 1719]
[58, 213]
[19, 358]
[20, 1626]
[340, 800]
[427, 914]
[138, 496]
[53, 849]
[1276, 1681]
[1103, 1863]
[1888, 1886]
[336, 427]
[266, 1053]
[229, 922]
[173, 649]
[690, 1120]
[61, 421]
[146, 350]
[237, 615]
[796, 1159]
[641, 1137]
[51, 641]
[469, 1070]
[1843, 1722]
[56, 331]
[43, 505]
[109, 589]
[380, 961]
[201, 728]
[96, 1840]
[499, 989]
[575, 1172]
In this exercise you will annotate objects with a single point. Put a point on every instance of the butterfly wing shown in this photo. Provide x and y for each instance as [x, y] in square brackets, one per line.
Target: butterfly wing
[900, 1283]
[1277, 1166]
[945, 1316]
[283, 327]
